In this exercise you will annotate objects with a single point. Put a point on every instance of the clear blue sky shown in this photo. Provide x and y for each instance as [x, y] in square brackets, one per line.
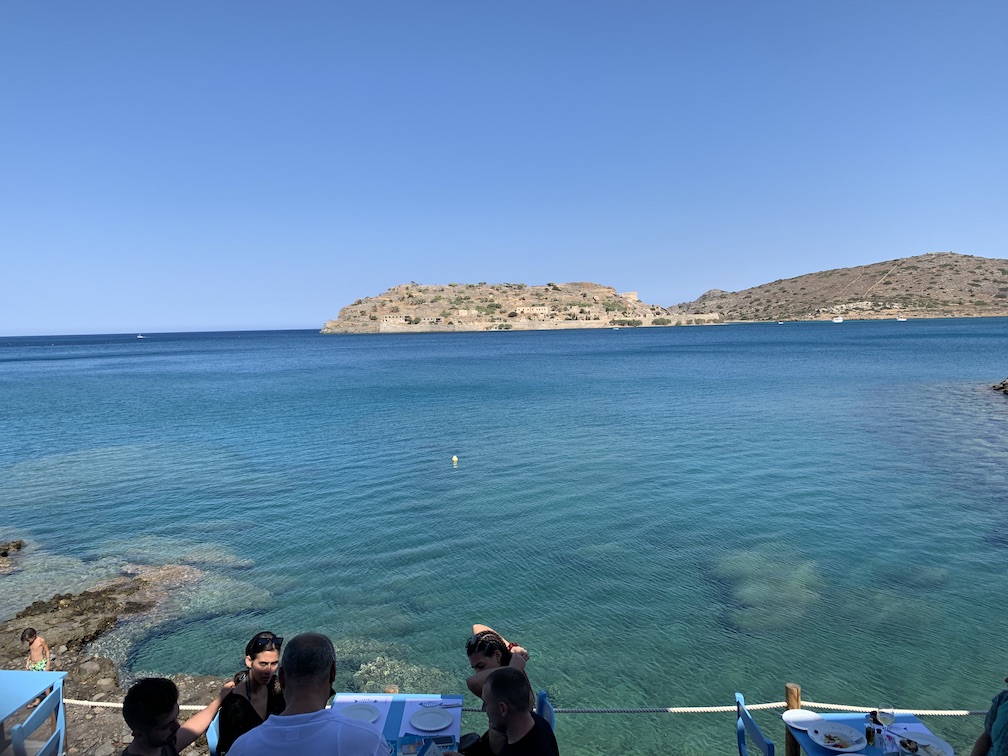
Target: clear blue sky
[233, 164]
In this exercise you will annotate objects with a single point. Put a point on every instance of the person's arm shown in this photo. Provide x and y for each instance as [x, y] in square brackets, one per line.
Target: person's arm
[982, 745]
[47, 653]
[198, 723]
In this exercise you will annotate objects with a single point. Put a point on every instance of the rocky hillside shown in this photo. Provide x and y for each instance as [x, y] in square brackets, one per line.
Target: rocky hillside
[940, 284]
[508, 306]
[936, 285]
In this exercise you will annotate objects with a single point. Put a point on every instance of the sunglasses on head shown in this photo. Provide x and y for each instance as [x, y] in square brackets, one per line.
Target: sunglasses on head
[276, 640]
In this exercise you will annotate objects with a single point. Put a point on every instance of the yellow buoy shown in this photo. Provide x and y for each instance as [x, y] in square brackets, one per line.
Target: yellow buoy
[454, 460]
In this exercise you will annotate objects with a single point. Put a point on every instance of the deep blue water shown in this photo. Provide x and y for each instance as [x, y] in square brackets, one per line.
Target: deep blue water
[663, 516]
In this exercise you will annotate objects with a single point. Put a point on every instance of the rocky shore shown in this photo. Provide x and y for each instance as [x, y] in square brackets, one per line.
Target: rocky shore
[69, 623]
[1002, 387]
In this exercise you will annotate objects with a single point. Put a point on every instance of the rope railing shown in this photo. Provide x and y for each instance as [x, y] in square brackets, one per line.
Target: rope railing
[915, 712]
[646, 710]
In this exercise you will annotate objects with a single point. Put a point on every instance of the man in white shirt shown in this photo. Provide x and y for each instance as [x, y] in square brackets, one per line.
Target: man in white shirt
[307, 672]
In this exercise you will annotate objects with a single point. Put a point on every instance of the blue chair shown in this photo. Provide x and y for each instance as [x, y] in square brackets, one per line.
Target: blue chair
[213, 734]
[744, 724]
[545, 709]
[51, 705]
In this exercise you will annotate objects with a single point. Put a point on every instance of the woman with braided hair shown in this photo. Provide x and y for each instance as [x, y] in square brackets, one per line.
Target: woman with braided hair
[488, 650]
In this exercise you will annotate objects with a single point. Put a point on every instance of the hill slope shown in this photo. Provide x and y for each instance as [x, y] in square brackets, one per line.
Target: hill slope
[940, 284]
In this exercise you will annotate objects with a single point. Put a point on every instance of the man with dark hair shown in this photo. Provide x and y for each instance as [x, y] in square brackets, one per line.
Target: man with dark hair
[506, 696]
[307, 672]
[151, 712]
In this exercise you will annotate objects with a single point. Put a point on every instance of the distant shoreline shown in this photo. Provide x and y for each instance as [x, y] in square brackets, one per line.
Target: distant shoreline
[558, 327]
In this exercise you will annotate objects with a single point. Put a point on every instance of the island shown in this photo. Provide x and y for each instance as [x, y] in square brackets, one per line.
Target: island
[412, 308]
[933, 285]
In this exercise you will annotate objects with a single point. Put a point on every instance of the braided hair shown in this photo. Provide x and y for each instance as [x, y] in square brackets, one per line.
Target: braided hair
[485, 643]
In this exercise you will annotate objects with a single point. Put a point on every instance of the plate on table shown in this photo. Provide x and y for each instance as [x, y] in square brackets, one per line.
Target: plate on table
[800, 719]
[431, 720]
[361, 711]
[922, 744]
[837, 737]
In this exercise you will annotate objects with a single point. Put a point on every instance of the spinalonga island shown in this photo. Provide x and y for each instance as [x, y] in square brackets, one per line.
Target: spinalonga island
[410, 308]
[935, 285]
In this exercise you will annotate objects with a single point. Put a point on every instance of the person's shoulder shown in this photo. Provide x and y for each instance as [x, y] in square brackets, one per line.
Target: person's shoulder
[248, 742]
[357, 729]
[354, 724]
[540, 722]
[544, 734]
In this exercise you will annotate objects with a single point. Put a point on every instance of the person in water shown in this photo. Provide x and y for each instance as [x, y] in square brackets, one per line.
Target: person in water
[487, 651]
[257, 691]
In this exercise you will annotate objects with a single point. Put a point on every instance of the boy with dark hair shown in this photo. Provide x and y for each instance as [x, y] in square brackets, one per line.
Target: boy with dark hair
[39, 657]
[151, 712]
[506, 700]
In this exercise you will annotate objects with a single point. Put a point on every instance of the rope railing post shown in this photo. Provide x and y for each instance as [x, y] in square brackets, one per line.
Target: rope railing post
[792, 698]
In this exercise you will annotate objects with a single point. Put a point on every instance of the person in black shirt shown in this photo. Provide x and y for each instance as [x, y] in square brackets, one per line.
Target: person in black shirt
[506, 694]
[257, 692]
[151, 712]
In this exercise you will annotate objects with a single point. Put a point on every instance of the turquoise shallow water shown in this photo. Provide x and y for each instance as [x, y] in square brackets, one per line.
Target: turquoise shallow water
[663, 516]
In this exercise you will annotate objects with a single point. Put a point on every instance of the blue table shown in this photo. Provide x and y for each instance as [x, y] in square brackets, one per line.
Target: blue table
[399, 713]
[18, 689]
[857, 721]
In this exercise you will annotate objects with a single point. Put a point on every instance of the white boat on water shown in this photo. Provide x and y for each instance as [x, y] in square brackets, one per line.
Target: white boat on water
[838, 319]
[141, 336]
[901, 319]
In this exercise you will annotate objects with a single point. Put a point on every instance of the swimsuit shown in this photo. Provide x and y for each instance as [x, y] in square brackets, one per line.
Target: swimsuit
[39, 666]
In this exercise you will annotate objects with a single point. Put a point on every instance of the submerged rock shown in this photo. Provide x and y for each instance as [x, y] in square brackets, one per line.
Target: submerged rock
[6, 550]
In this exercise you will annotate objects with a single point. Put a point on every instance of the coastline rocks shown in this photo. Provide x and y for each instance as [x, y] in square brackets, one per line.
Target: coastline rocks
[1002, 387]
[70, 623]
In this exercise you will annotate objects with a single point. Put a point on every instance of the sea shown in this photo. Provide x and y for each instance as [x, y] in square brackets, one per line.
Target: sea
[662, 516]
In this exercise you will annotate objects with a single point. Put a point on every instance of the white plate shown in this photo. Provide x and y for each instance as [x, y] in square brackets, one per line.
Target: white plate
[430, 720]
[363, 712]
[837, 737]
[800, 719]
[927, 744]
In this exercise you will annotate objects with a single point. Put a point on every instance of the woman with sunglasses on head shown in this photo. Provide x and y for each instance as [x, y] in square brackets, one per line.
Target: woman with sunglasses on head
[256, 694]
[488, 650]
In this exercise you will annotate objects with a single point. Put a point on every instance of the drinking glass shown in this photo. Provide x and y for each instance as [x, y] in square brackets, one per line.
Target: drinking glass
[886, 715]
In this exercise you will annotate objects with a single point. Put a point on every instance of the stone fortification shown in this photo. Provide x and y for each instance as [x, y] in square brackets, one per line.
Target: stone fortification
[412, 308]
